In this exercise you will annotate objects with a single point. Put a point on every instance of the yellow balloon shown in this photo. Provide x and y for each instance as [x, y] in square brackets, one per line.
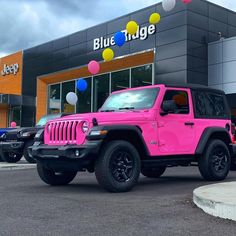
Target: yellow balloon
[154, 18]
[132, 27]
[108, 54]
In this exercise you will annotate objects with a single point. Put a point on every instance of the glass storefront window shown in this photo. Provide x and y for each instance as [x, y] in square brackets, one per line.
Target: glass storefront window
[66, 88]
[120, 80]
[54, 105]
[100, 90]
[102, 86]
[141, 76]
[84, 98]
[15, 115]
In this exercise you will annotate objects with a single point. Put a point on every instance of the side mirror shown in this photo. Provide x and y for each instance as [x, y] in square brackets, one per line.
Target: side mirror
[168, 106]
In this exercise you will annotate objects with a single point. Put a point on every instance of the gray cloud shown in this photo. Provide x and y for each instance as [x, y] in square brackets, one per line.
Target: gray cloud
[27, 23]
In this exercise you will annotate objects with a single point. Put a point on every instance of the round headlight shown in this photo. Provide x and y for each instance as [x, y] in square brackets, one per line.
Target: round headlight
[85, 127]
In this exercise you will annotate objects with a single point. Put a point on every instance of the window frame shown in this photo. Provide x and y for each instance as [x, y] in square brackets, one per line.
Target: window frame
[227, 109]
[178, 90]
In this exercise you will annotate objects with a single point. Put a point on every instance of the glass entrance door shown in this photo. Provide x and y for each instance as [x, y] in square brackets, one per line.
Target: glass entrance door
[15, 115]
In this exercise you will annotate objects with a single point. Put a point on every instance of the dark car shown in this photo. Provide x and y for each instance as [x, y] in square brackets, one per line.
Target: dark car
[14, 143]
[3, 131]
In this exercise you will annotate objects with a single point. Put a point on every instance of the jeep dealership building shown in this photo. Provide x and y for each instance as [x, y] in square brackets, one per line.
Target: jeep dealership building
[193, 43]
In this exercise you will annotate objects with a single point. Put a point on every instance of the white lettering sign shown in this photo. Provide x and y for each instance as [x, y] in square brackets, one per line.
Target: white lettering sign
[142, 34]
[12, 69]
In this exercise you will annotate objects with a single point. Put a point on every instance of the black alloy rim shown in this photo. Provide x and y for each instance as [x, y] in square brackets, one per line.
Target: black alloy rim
[121, 166]
[219, 159]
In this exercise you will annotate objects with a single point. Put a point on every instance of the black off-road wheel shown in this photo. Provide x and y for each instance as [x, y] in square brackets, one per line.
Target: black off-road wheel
[54, 178]
[26, 153]
[154, 172]
[118, 166]
[11, 157]
[214, 164]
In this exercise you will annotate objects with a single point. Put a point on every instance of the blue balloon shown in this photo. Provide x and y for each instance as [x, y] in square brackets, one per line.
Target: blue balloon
[119, 38]
[81, 85]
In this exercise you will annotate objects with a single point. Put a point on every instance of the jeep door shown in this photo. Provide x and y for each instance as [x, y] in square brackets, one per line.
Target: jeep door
[176, 131]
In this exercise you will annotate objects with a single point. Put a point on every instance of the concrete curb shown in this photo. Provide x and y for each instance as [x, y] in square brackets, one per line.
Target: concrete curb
[217, 199]
[15, 166]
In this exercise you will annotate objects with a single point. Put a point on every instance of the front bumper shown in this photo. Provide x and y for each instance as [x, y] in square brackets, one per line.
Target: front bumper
[11, 147]
[76, 157]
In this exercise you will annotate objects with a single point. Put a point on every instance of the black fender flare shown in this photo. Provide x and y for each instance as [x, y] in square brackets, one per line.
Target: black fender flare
[114, 129]
[207, 134]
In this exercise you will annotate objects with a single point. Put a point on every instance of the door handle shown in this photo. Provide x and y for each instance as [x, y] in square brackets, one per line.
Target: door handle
[189, 123]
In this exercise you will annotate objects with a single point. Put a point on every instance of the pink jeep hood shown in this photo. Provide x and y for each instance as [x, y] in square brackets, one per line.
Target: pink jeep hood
[111, 117]
[68, 130]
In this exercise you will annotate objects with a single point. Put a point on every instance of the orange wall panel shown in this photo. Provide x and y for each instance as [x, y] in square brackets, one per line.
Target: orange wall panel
[3, 116]
[11, 83]
[41, 106]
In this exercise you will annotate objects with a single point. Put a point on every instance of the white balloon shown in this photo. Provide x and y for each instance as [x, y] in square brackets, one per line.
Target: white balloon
[168, 5]
[71, 98]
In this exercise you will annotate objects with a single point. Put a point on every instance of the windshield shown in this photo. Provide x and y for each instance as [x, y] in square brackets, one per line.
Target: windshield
[131, 100]
[45, 119]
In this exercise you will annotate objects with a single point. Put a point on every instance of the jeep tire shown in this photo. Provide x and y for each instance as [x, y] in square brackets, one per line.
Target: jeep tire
[214, 164]
[153, 172]
[118, 167]
[54, 178]
[26, 154]
[11, 157]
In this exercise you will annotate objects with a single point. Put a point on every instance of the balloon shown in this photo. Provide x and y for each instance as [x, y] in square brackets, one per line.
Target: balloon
[93, 67]
[108, 54]
[71, 98]
[119, 38]
[13, 124]
[132, 27]
[168, 5]
[81, 85]
[154, 18]
[186, 1]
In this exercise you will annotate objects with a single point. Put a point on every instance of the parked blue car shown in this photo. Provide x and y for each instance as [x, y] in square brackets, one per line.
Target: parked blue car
[4, 130]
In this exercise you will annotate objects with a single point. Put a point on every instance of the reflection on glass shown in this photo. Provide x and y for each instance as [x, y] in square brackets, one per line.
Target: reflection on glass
[141, 76]
[15, 115]
[84, 98]
[54, 105]
[131, 100]
[66, 88]
[120, 80]
[100, 90]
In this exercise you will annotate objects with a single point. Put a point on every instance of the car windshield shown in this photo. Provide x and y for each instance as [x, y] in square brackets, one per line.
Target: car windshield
[131, 100]
[45, 119]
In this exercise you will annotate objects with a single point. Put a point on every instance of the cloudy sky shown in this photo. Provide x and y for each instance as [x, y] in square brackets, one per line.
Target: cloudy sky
[26, 23]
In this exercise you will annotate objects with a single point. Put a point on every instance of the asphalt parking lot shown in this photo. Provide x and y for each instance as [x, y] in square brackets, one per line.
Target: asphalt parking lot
[155, 207]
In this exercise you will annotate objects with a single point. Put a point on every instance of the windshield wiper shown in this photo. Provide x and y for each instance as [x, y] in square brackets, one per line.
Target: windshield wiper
[107, 110]
[126, 108]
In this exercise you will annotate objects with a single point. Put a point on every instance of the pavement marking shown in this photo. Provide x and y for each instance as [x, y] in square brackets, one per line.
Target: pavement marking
[217, 199]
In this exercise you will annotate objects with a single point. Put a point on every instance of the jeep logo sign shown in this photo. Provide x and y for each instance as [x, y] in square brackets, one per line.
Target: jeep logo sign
[12, 69]
[142, 34]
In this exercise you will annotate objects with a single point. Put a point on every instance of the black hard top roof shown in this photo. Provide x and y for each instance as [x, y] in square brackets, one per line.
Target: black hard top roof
[194, 87]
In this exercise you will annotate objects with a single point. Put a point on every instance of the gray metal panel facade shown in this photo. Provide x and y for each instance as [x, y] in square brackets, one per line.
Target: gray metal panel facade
[222, 65]
[180, 41]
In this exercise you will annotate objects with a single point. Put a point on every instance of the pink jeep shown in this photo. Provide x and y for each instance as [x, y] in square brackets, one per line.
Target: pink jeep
[145, 129]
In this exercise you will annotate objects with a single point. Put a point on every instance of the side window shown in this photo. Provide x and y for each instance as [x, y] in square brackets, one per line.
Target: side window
[200, 104]
[210, 105]
[180, 100]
